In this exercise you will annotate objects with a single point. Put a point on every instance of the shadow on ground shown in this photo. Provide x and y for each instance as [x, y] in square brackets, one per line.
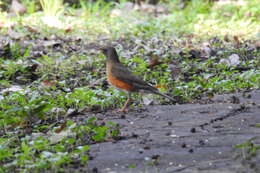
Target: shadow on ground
[183, 138]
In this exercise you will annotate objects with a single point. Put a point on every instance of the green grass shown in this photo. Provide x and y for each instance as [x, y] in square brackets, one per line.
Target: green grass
[52, 8]
[199, 18]
[35, 152]
[248, 152]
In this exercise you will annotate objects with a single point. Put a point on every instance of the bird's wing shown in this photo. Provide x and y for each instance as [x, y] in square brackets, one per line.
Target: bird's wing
[122, 73]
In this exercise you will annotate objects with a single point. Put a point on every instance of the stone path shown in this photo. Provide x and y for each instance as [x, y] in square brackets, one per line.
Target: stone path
[184, 138]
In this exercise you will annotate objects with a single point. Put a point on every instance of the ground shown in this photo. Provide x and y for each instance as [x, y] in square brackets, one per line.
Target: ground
[183, 138]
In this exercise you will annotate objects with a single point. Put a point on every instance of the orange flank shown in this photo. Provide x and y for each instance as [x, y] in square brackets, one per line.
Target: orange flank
[119, 84]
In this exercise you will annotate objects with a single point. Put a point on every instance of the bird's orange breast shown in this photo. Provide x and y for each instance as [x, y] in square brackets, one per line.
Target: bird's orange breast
[116, 82]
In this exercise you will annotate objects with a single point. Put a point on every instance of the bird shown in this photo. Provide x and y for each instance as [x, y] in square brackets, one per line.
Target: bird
[122, 78]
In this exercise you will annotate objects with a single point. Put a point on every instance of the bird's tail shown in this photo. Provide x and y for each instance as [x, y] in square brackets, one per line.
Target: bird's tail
[164, 95]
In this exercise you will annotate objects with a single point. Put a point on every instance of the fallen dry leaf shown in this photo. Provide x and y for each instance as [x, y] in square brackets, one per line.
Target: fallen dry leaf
[226, 38]
[154, 61]
[57, 137]
[63, 126]
[17, 7]
[48, 83]
[237, 42]
[232, 60]
[67, 30]
[160, 86]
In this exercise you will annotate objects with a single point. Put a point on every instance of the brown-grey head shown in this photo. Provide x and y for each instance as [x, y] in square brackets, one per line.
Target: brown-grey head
[110, 53]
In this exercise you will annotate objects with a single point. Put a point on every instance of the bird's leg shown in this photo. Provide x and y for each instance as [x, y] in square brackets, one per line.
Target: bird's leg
[124, 108]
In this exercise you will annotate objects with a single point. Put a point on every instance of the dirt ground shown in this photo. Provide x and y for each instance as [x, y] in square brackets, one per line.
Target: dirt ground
[183, 138]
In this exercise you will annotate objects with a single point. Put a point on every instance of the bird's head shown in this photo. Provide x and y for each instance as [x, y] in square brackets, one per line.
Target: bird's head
[110, 53]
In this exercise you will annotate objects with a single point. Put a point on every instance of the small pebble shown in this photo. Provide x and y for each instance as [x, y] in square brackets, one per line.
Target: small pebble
[147, 158]
[201, 142]
[193, 130]
[147, 147]
[95, 170]
[168, 134]
[134, 135]
[155, 157]
[183, 145]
